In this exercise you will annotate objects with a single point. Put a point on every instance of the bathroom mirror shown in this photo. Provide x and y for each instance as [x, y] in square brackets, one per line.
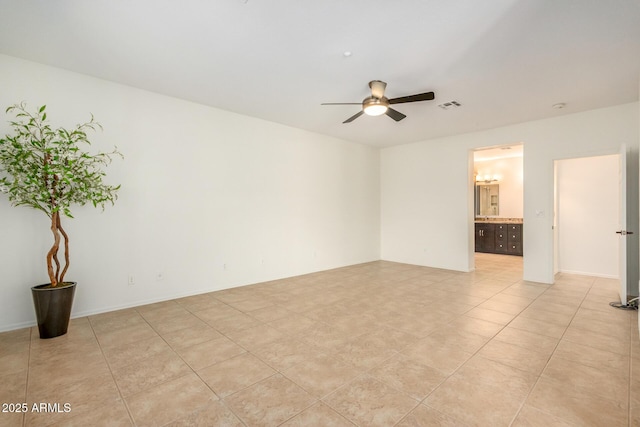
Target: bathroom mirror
[487, 196]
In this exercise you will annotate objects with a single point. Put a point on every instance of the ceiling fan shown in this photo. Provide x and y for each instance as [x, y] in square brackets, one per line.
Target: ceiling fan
[377, 104]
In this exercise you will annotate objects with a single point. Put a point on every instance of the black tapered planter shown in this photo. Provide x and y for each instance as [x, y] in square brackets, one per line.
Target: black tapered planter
[53, 308]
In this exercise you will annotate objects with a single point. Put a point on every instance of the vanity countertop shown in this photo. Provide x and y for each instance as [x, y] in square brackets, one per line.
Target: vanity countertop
[499, 220]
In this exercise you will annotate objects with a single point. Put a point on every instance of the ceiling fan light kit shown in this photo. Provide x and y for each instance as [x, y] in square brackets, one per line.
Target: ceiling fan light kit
[374, 106]
[377, 104]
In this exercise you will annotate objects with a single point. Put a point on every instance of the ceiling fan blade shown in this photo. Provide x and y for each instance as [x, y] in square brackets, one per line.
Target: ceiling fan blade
[427, 96]
[341, 103]
[394, 114]
[355, 116]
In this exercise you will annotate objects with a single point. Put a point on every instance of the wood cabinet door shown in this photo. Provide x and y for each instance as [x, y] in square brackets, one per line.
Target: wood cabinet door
[485, 237]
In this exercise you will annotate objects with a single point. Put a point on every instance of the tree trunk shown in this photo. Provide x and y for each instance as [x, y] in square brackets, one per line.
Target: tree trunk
[66, 250]
[52, 255]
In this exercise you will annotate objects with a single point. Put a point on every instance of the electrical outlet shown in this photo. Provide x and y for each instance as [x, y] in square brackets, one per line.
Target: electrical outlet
[131, 281]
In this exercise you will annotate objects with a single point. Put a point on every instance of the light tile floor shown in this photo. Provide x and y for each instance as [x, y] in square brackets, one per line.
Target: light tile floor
[376, 344]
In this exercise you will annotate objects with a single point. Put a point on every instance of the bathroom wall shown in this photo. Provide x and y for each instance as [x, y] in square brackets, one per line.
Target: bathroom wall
[509, 170]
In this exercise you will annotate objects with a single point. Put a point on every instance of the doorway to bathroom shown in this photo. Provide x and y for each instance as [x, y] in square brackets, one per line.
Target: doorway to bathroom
[498, 200]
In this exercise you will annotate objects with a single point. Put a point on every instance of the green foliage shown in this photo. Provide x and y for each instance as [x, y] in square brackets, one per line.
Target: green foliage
[47, 169]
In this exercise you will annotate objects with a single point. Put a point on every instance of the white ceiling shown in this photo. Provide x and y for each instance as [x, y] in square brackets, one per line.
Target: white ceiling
[505, 61]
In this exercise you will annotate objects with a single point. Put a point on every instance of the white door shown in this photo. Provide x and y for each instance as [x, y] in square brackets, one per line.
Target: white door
[622, 224]
[629, 219]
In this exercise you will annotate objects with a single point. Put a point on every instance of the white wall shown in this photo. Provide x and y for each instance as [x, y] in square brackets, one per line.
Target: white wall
[426, 216]
[209, 199]
[509, 169]
[205, 188]
[425, 209]
[588, 215]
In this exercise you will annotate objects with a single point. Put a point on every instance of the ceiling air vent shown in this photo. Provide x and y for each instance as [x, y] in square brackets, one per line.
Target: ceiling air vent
[449, 105]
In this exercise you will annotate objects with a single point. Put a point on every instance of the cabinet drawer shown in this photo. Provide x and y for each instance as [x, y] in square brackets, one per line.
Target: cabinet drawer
[514, 248]
[502, 247]
[514, 234]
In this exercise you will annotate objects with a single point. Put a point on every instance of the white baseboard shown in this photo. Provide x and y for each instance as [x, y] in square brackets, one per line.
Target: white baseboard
[589, 273]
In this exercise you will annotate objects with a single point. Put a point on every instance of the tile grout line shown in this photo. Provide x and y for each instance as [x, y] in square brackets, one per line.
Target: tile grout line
[124, 401]
[220, 399]
[476, 353]
[26, 383]
[422, 401]
[630, 376]
[524, 401]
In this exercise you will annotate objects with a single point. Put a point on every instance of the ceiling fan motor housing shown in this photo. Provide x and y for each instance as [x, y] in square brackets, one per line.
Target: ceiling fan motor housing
[377, 88]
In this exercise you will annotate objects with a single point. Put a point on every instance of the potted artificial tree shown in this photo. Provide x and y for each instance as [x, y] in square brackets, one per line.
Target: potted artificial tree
[47, 169]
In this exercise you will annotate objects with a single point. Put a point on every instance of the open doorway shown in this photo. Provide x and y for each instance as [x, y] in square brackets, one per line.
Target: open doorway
[498, 200]
[587, 216]
[596, 220]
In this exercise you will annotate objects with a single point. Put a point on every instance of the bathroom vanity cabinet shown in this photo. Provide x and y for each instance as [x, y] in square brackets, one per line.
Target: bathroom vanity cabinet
[499, 238]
